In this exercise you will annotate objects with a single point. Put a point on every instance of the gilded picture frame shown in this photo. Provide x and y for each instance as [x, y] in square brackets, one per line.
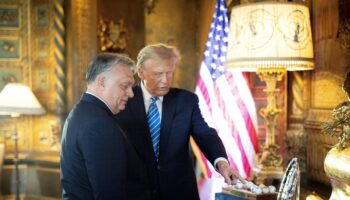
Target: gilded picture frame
[10, 17]
[10, 48]
[9, 76]
[42, 16]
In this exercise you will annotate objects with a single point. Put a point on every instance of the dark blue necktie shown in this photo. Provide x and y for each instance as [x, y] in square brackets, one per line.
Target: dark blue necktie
[154, 125]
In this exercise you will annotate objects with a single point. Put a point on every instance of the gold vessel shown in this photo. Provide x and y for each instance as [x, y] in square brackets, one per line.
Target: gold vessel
[337, 168]
[313, 196]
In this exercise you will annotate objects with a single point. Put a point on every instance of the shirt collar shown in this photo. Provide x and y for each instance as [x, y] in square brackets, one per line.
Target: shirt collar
[146, 95]
[101, 100]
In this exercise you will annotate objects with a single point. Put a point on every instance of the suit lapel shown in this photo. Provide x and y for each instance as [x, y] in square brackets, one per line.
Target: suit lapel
[143, 143]
[168, 112]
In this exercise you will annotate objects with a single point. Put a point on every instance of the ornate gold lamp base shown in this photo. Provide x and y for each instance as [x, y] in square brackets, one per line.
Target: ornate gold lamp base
[270, 163]
[265, 173]
[313, 196]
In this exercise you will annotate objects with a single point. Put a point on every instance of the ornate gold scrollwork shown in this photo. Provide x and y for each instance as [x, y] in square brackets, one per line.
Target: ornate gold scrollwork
[150, 5]
[112, 36]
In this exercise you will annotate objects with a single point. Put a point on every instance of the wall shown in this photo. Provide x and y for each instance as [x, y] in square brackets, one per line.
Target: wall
[29, 62]
[34, 62]
[205, 16]
[132, 12]
[332, 61]
[332, 58]
[41, 59]
[174, 23]
[182, 23]
[81, 43]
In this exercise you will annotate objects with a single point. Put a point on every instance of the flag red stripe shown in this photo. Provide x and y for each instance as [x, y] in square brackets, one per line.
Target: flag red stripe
[244, 111]
[209, 172]
[204, 91]
[225, 99]
[230, 124]
[201, 159]
[229, 120]
[232, 162]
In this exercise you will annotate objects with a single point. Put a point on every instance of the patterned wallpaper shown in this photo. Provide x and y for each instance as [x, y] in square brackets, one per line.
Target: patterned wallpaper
[27, 56]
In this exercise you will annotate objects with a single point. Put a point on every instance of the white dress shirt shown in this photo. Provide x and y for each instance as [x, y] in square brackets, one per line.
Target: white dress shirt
[147, 100]
[101, 100]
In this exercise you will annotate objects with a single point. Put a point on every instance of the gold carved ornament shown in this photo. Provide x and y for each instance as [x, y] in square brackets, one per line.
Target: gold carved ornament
[340, 126]
[112, 36]
[7, 17]
[150, 5]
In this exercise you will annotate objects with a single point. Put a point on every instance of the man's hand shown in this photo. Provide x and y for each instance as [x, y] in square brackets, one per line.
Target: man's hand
[228, 173]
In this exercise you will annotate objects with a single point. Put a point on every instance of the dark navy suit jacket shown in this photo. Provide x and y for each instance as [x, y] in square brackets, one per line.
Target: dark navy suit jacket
[172, 177]
[96, 158]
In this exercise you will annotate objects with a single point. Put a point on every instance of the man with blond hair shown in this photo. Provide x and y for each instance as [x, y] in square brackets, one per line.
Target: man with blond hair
[159, 121]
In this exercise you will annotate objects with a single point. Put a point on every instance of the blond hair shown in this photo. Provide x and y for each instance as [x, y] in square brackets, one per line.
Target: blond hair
[157, 51]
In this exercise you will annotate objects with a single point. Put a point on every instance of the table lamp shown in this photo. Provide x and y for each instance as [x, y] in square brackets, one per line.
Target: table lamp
[17, 99]
[270, 38]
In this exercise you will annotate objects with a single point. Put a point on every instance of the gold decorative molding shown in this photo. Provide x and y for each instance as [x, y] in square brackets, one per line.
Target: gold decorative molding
[316, 116]
[295, 136]
[150, 5]
[60, 60]
[296, 144]
[81, 45]
[112, 36]
[19, 70]
[318, 144]
[343, 34]
[297, 92]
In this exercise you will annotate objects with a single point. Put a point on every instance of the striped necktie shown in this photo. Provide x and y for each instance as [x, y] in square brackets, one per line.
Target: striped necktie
[153, 119]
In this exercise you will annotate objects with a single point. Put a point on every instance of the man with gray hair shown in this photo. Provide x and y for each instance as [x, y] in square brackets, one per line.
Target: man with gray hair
[96, 157]
[160, 120]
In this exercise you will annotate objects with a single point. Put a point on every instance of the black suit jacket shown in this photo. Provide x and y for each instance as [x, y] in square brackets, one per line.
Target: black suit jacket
[96, 157]
[172, 177]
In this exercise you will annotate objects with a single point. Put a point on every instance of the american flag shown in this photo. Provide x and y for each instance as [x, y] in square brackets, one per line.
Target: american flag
[225, 101]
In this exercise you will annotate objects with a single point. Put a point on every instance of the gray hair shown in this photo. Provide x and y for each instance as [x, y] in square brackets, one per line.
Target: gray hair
[104, 62]
[157, 51]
